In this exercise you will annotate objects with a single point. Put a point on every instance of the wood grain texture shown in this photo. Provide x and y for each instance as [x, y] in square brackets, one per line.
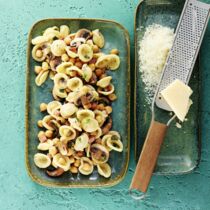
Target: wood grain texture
[148, 157]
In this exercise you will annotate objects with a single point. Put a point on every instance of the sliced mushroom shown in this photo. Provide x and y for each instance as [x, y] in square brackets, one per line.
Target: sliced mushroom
[83, 33]
[76, 42]
[63, 66]
[56, 172]
[62, 148]
[87, 72]
[81, 142]
[41, 160]
[85, 52]
[104, 82]
[98, 38]
[54, 62]
[99, 153]
[86, 166]
[41, 77]
[104, 170]
[68, 110]
[58, 47]
[108, 125]
[104, 100]
[60, 80]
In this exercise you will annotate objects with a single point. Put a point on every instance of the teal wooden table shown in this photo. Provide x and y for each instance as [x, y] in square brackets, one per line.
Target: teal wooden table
[17, 191]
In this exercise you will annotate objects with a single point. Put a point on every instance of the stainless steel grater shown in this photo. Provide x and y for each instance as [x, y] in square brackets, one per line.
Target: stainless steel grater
[179, 65]
[188, 38]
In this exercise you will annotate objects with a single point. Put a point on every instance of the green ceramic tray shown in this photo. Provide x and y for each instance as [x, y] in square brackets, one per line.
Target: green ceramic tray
[116, 36]
[180, 152]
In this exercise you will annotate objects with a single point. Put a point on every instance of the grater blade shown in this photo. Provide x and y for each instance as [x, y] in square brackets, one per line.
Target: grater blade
[187, 42]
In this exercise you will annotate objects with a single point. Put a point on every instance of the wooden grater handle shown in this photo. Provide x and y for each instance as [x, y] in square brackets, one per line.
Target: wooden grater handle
[148, 157]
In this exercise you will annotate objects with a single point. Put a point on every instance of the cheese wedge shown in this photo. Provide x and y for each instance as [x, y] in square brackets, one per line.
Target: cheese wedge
[177, 95]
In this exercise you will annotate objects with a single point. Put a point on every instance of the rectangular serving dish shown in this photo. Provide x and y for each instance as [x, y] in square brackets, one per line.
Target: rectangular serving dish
[180, 152]
[116, 36]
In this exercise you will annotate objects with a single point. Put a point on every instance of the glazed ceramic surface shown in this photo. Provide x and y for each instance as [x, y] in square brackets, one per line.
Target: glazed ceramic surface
[180, 151]
[115, 37]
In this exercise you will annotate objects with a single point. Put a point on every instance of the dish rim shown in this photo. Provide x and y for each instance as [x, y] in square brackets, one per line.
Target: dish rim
[134, 107]
[55, 184]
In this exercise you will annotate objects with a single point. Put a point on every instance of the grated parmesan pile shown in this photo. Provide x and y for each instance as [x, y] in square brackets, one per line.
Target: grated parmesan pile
[154, 48]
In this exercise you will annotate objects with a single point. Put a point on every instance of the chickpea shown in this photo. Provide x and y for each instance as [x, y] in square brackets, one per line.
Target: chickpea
[99, 72]
[95, 49]
[72, 160]
[73, 170]
[100, 107]
[79, 64]
[43, 107]
[99, 118]
[62, 161]
[86, 166]
[112, 97]
[67, 40]
[39, 53]
[55, 141]
[39, 123]
[102, 76]
[108, 109]
[98, 141]
[53, 150]
[93, 105]
[64, 57]
[68, 90]
[92, 66]
[70, 152]
[48, 133]
[73, 73]
[41, 136]
[77, 163]
[37, 69]
[72, 60]
[114, 51]
[45, 66]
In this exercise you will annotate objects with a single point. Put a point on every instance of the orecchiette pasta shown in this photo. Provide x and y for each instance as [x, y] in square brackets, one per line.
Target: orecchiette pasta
[76, 135]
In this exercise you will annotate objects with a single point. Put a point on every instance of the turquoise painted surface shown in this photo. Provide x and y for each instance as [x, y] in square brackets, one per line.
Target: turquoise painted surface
[17, 191]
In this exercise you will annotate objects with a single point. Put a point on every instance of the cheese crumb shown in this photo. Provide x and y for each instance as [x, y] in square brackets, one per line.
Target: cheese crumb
[178, 125]
[154, 48]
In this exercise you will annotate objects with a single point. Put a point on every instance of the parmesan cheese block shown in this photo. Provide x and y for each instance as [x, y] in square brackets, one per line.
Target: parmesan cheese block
[177, 95]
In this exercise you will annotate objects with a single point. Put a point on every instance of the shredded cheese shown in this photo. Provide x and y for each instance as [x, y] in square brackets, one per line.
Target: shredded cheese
[154, 48]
